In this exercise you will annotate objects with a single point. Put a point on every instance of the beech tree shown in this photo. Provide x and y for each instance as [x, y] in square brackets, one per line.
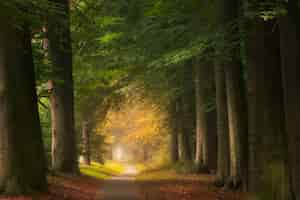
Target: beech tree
[64, 147]
[22, 162]
[229, 12]
[289, 51]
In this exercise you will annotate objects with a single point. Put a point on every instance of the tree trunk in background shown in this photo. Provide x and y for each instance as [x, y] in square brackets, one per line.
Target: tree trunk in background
[86, 151]
[212, 140]
[22, 161]
[64, 152]
[290, 56]
[145, 149]
[223, 168]
[185, 132]
[267, 155]
[186, 112]
[174, 146]
[201, 86]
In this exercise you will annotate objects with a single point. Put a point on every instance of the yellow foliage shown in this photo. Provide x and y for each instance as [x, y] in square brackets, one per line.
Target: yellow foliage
[139, 123]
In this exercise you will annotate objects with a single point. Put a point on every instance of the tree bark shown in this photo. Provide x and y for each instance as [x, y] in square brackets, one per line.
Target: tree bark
[290, 57]
[267, 169]
[22, 161]
[237, 125]
[174, 147]
[229, 13]
[212, 139]
[201, 86]
[174, 132]
[185, 132]
[223, 168]
[86, 152]
[64, 152]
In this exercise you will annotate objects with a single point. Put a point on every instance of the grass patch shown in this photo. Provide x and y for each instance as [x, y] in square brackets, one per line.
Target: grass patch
[158, 175]
[171, 172]
[101, 171]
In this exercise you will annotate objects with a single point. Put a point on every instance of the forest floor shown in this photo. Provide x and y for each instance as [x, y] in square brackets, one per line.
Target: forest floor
[158, 185]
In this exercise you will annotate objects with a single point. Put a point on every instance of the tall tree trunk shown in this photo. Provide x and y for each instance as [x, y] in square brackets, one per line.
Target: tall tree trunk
[201, 83]
[22, 161]
[64, 152]
[229, 13]
[267, 169]
[223, 168]
[237, 125]
[86, 151]
[186, 115]
[290, 56]
[212, 139]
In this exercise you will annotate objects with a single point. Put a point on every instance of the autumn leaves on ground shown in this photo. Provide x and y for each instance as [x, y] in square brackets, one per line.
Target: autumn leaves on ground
[164, 184]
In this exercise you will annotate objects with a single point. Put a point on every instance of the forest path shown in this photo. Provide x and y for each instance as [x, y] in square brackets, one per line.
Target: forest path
[123, 187]
[127, 187]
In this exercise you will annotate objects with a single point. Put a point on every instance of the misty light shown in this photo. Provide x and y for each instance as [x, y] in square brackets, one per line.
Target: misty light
[119, 153]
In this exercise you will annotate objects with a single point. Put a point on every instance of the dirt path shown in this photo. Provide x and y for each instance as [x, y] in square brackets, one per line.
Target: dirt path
[126, 187]
[121, 188]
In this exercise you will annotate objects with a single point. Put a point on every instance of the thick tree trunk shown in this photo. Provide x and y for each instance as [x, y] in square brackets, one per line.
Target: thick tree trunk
[223, 168]
[22, 161]
[64, 152]
[290, 56]
[267, 169]
[86, 147]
